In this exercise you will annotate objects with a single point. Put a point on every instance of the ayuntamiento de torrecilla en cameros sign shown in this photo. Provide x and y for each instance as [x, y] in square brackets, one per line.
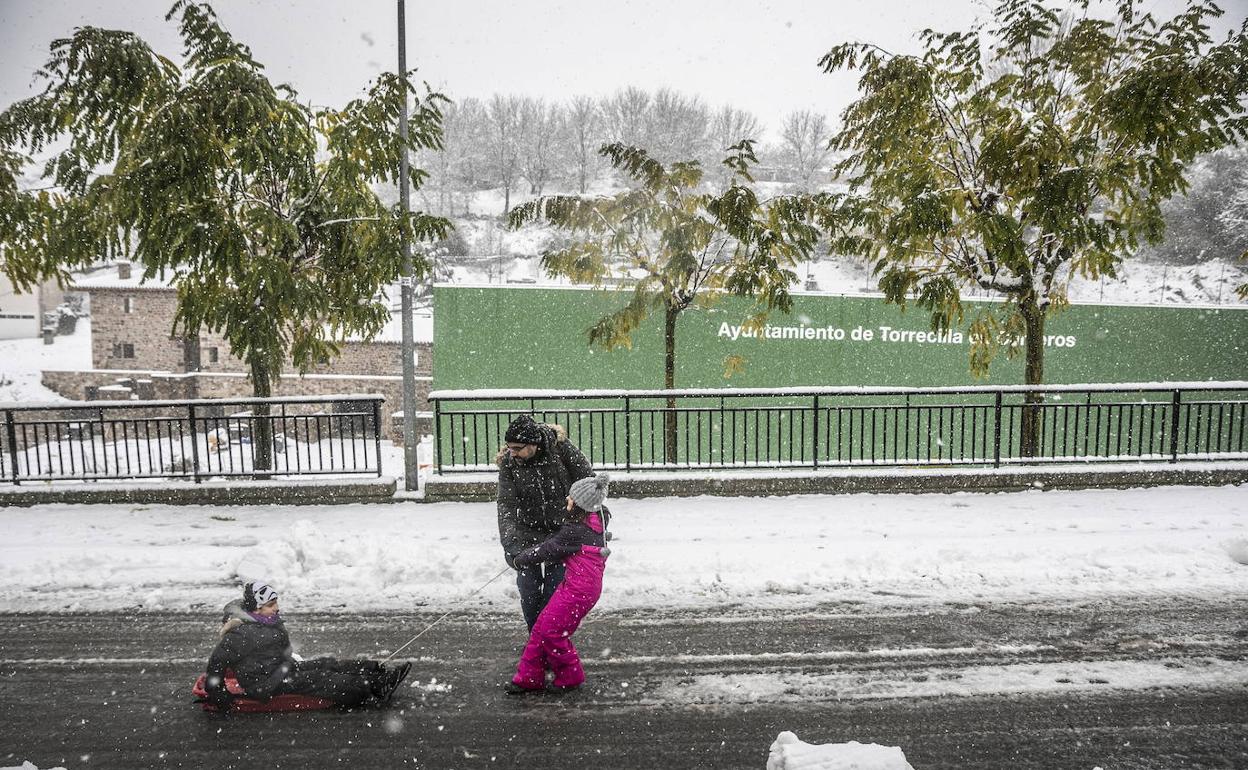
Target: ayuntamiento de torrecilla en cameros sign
[878, 335]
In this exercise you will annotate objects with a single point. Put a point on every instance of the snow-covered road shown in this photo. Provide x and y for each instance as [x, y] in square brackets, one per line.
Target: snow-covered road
[1146, 683]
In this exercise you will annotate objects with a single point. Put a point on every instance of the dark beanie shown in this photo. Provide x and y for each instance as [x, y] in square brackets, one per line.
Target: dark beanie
[524, 430]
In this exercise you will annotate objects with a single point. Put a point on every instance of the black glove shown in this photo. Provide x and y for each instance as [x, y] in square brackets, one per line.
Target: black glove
[510, 558]
[525, 558]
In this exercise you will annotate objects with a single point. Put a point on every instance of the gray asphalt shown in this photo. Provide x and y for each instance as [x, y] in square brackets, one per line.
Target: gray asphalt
[113, 691]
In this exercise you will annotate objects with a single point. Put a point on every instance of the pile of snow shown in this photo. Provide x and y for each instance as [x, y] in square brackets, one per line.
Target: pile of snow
[790, 553]
[789, 753]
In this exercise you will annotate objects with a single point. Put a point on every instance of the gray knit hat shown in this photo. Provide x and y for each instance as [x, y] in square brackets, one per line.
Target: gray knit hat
[590, 492]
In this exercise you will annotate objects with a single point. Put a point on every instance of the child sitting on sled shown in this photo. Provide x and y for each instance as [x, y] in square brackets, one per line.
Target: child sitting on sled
[581, 545]
[255, 647]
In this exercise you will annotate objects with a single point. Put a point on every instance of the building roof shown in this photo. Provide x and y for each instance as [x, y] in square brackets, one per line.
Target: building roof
[106, 277]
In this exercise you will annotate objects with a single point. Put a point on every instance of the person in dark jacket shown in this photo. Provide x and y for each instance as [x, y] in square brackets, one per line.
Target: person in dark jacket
[536, 468]
[254, 645]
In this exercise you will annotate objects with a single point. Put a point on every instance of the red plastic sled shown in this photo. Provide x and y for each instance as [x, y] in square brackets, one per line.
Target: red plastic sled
[242, 704]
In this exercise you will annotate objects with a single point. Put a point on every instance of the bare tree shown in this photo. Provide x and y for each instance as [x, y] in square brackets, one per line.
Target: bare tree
[454, 170]
[538, 136]
[470, 147]
[804, 137]
[728, 126]
[678, 126]
[504, 129]
[580, 139]
[626, 117]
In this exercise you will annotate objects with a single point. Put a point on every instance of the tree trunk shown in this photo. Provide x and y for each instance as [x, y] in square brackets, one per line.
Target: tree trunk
[669, 382]
[1032, 422]
[261, 427]
[506, 199]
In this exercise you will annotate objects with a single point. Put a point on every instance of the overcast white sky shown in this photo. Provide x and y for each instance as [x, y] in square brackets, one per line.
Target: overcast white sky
[758, 55]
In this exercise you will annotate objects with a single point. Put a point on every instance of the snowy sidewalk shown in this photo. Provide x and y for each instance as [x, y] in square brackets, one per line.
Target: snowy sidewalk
[668, 553]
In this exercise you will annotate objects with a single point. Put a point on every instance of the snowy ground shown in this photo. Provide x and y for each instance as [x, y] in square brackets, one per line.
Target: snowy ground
[759, 554]
[1138, 283]
[741, 560]
[22, 362]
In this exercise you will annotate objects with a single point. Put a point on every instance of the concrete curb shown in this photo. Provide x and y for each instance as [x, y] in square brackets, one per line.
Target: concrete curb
[480, 487]
[317, 492]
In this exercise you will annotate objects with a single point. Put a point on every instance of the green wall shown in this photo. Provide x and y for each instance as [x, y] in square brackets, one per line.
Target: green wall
[520, 337]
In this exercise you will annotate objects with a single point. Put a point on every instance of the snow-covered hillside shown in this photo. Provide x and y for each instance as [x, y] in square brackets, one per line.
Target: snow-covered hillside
[1209, 283]
[495, 254]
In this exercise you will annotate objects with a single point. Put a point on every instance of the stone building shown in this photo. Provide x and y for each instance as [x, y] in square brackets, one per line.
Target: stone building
[134, 354]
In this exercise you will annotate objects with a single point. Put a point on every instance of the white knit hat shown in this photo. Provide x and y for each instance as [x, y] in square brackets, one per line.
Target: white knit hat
[260, 593]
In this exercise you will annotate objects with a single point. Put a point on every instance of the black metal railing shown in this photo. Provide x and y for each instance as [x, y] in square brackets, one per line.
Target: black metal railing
[194, 439]
[843, 427]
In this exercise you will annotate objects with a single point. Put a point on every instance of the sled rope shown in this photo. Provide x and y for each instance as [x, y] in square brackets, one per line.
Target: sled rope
[445, 614]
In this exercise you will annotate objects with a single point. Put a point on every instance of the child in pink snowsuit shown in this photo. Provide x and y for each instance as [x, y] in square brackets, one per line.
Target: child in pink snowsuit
[581, 544]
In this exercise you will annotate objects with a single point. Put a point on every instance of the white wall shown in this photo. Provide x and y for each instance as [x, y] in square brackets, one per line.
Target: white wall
[19, 313]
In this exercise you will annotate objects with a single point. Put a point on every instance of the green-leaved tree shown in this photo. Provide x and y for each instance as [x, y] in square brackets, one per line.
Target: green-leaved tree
[1010, 158]
[261, 207]
[675, 245]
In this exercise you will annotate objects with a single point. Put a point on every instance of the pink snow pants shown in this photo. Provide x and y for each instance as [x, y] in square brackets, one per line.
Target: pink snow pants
[550, 644]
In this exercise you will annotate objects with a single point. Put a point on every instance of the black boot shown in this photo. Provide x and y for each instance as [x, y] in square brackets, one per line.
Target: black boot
[391, 681]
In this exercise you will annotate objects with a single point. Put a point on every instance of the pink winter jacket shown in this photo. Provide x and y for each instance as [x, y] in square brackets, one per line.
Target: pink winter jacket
[580, 546]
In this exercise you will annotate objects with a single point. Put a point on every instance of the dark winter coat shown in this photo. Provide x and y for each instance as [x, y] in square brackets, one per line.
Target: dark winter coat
[533, 494]
[259, 654]
[567, 541]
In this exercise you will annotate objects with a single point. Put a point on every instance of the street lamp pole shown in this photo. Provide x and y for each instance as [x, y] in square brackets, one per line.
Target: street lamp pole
[410, 464]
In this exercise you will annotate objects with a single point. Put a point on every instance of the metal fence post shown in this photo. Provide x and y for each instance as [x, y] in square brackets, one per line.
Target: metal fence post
[11, 431]
[814, 439]
[377, 436]
[194, 445]
[437, 434]
[996, 433]
[628, 435]
[1174, 426]
[104, 441]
